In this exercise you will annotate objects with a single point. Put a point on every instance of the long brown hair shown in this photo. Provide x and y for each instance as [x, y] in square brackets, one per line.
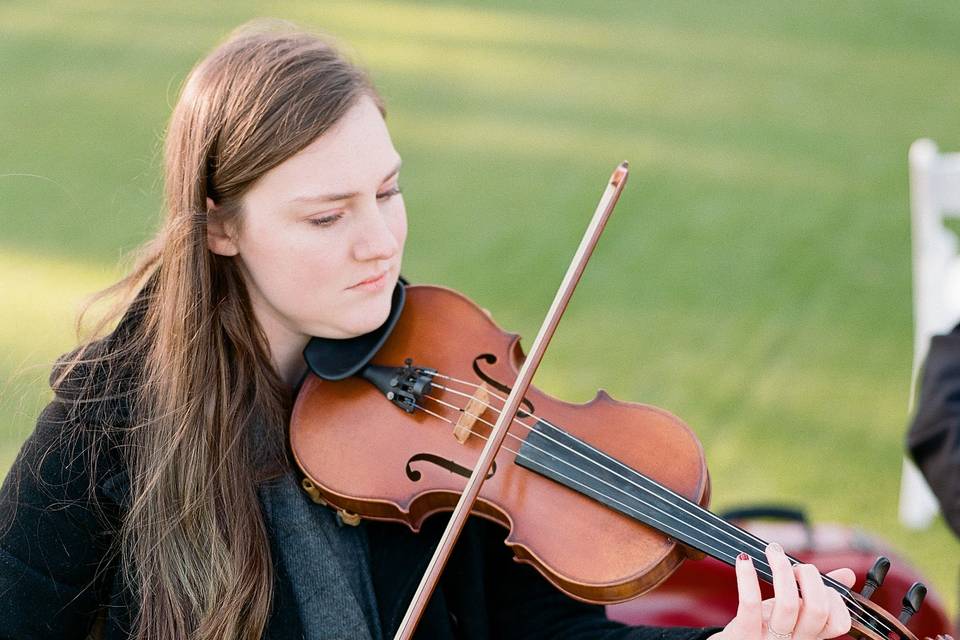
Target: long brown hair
[193, 545]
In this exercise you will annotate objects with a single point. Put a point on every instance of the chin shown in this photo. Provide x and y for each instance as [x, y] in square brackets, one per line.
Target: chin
[370, 318]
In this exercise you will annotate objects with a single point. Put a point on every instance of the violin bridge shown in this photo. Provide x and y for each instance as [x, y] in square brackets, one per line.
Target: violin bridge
[471, 413]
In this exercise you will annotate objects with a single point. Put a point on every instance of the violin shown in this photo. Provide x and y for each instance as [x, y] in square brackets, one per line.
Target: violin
[604, 499]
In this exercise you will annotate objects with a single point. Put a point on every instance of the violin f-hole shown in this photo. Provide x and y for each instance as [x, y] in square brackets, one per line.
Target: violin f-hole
[489, 358]
[449, 465]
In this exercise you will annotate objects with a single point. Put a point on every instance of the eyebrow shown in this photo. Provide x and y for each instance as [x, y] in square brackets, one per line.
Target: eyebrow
[332, 197]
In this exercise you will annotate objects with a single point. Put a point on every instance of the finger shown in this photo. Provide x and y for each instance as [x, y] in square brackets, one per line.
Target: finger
[766, 608]
[816, 603]
[786, 603]
[748, 622]
[839, 622]
[845, 576]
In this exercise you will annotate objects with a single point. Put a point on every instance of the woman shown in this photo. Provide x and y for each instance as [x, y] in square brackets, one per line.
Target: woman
[155, 498]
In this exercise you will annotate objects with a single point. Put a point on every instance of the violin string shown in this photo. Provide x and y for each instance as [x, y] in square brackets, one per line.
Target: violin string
[578, 454]
[857, 612]
[722, 526]
[718, 523]
[568, 463]
[762, 568]
[716, 520]
[520, 455]
[755, 547]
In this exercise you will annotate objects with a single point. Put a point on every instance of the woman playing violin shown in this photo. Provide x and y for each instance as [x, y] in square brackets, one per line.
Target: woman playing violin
[156, 499]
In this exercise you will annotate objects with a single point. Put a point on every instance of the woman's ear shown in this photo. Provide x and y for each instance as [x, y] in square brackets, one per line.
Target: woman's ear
[219, 238]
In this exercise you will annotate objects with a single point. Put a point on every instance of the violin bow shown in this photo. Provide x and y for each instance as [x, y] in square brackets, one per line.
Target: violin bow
[459, 516]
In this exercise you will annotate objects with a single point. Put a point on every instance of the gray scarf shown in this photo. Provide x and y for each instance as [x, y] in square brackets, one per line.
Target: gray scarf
[326, 562]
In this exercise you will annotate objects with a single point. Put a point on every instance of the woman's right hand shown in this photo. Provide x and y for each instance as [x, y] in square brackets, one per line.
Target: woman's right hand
[803, 607]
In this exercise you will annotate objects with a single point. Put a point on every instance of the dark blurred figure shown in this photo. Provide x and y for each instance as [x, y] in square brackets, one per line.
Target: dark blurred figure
[934, 435]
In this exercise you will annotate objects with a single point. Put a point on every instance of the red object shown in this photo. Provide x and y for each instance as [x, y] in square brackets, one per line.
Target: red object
[704, 593]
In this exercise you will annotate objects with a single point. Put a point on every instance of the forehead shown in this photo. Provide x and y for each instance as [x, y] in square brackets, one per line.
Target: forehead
[353, 155]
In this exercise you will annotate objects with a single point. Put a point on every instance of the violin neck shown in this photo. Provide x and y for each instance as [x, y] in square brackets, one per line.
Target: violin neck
[554, 453]
[564, 458]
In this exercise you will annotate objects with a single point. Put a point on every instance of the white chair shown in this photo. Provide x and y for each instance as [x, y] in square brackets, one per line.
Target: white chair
[934, 196]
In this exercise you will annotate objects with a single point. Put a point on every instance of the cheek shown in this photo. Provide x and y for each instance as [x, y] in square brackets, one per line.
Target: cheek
[398, 226]
[292, 270]
[315, 271]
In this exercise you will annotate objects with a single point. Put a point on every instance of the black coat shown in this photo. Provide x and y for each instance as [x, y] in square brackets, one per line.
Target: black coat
[934, 435]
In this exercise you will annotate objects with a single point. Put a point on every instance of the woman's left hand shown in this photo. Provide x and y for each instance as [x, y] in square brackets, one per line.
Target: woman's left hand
[803, 608]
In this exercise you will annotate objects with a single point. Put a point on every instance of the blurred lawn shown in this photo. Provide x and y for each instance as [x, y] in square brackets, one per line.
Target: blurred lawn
[755, 280]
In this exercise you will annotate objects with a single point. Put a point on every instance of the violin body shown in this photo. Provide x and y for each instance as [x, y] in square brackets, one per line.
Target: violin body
[365, 456]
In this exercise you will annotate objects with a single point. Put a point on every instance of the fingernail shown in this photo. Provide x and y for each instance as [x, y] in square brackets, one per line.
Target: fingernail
[776, 548]
[743, 557]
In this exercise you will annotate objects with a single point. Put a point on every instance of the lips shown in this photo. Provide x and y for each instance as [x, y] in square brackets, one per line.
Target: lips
[371, 280]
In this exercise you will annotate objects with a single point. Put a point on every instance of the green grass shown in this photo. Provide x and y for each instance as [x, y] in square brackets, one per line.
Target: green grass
[755, 279]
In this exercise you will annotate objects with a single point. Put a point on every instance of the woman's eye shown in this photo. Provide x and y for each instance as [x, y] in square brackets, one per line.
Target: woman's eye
[325, 221]
[389, 194]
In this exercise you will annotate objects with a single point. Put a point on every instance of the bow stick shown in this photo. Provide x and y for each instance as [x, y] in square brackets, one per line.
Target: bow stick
[459, 517]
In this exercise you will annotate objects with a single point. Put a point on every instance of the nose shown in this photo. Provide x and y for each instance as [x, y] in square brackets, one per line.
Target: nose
[375, 239]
